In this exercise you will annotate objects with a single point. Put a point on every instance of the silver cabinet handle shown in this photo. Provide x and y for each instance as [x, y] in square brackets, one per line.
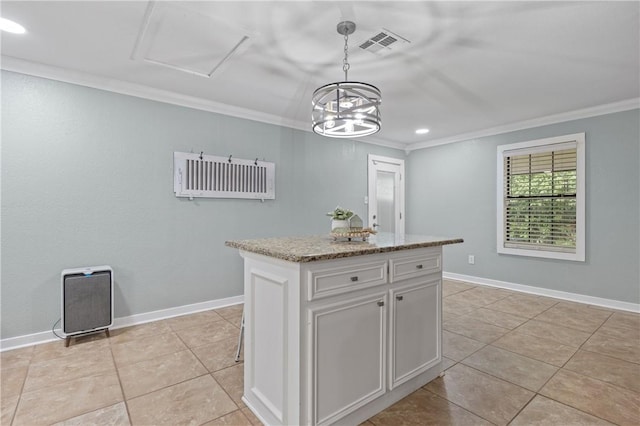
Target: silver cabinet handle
[399, 297]
[419, 266]
[380, 302]
[354, 279]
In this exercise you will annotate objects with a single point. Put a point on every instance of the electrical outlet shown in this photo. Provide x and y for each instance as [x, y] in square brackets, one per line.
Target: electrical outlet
[472, 259]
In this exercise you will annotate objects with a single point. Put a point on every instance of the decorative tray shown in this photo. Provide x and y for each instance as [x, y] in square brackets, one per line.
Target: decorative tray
[351, 234]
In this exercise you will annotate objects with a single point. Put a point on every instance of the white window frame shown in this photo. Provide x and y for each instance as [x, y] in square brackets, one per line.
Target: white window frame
[543, 145]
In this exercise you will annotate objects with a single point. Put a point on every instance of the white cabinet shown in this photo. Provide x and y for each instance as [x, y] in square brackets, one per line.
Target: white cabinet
[348, 341]
[337, 341]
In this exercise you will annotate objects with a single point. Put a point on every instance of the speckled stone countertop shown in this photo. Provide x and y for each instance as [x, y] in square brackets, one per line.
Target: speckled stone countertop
[323, 247]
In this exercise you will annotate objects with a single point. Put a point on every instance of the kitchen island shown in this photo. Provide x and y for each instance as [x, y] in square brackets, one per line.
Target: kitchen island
[336, 331]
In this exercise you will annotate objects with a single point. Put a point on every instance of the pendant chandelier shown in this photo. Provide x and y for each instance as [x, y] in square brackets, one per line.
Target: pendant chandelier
[346, 109]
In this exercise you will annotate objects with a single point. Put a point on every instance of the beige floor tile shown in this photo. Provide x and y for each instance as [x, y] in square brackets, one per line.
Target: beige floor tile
[579, 317]
[530, 297]
[457, 347]
[232, 380]
[159, 372]
[112, 415]
[16, 358]
[457, 306]
[538, 348]
[497, 318]
[543, 411]
[86, 338]
[236, 418]
[423, 408]
[8, 408]
[214, 332]
[514, 368]
[235, 320]
[605, 308]
[617, 332]
[252, 417]
[450, 287]
[447, 363]
[525, 306]
[564, 335]
[611, 370]
[230, 311]
[627, 350]
[69, 399]
[477, 330]
[199, 319]
[137, 332]
[145, 348]
[71, 367]
[483, 296]
[595, 397]
[54, 350]
[162, 364]
[470, 297]
[448, 316]
[219, 355]
[629, 320]
[12, 380]
[194, 402]
[486, 396]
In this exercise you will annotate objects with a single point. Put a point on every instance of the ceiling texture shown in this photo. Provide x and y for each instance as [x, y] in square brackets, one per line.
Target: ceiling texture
[461, 69]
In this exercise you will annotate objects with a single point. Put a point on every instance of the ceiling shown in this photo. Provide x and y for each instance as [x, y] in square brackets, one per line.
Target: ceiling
[461, 69]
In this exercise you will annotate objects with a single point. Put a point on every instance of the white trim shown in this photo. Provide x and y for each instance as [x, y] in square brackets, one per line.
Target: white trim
[540, 291]
[47, 336]
[577, 139]
[66, 75]
[610, 108]
[132, 89]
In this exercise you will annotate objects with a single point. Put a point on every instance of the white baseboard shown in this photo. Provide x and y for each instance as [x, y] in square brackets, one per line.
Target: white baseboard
[48, 336]
[539, 291]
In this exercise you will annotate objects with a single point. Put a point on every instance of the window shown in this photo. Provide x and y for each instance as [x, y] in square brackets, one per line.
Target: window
[541, 198]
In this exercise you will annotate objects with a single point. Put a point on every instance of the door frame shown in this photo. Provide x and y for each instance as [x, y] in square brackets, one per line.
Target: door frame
[395, 165]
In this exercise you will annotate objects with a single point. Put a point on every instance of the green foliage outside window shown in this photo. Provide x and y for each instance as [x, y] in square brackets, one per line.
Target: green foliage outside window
[541, 208]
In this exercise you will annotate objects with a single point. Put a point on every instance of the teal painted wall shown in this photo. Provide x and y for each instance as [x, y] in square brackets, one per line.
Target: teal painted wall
[452, 191]
[87, 179]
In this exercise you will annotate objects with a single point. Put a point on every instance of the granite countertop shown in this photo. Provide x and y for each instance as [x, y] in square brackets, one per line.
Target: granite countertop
[323, 247]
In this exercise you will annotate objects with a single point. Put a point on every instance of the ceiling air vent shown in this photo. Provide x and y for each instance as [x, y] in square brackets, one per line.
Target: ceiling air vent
[383, 42]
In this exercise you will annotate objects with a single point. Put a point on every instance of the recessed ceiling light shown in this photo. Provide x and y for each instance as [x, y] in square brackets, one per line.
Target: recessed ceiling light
[11, 27]
[422, 131]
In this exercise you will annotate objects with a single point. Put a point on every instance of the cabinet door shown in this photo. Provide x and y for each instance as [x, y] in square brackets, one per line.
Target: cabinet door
[348, 347]
[414, 330]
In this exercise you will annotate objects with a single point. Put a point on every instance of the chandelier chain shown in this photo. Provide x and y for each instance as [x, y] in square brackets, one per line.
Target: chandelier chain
[345, 61]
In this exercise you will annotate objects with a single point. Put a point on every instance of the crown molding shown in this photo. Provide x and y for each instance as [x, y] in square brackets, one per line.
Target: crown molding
[66, 75]
[610, 108]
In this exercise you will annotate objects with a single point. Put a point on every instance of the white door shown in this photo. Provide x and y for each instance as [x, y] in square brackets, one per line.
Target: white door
[386, 194]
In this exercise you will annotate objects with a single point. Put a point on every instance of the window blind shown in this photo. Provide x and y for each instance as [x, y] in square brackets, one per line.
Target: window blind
[540, 188]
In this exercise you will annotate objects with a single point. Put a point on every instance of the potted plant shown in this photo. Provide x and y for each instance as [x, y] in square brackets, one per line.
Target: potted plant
[340, 217]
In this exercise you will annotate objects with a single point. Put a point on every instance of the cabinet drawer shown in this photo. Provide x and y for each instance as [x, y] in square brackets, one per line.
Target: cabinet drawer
[410, 267]
[333, 281]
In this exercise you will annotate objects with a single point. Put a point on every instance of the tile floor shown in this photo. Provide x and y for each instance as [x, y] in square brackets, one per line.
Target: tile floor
[511, 358]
